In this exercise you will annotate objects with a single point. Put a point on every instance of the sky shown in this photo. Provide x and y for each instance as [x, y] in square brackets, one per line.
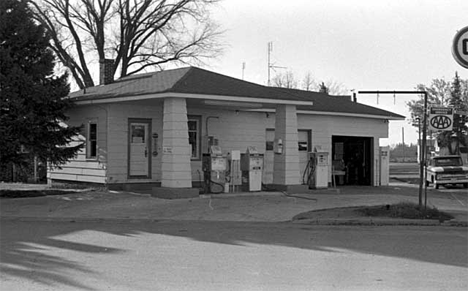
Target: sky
[362, 44]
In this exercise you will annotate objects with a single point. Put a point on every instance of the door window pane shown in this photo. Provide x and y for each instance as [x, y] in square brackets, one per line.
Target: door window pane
[194, 133]
[138, 134]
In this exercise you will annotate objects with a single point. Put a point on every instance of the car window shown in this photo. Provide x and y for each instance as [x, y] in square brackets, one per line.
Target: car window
[448, 162]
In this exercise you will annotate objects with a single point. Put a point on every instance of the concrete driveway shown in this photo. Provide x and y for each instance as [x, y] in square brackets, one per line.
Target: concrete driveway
[259, 207]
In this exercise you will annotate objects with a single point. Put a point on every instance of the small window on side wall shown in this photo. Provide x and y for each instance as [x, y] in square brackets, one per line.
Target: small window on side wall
[91, 145]
[194, 132]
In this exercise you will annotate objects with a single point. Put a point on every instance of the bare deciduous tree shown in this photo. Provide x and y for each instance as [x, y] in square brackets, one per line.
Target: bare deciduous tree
[137, 34]
[285, 80]
[336, 88]
[308, 83]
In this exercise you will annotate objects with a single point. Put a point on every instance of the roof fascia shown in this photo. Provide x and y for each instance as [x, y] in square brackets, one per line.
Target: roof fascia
[192, 96]
[351, 115]
[342, 114]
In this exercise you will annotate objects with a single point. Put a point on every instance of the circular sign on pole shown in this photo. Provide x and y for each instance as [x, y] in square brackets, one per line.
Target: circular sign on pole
[460, 47]
[441, 118]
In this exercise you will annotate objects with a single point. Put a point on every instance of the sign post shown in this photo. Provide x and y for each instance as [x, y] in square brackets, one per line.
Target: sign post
[422, 160]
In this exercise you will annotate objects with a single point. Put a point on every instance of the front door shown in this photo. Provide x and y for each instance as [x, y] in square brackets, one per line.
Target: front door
[139, 148]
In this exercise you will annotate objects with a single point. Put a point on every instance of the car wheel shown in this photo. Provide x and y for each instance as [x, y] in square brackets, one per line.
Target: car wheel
[436, 186]
[427, 183]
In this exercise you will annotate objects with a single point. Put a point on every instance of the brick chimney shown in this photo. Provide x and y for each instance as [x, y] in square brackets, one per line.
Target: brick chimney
[106, 71]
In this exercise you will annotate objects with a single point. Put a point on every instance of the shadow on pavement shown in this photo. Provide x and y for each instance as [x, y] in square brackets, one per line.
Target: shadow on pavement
[37, 251]
[29, 251]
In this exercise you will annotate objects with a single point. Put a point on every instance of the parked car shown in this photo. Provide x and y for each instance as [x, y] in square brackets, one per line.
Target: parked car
[443, 170]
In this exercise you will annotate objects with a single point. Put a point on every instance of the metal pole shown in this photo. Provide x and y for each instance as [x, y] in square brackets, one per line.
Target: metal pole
[35, 169]
[269, 50]
[419, 137]
[425, 193]
[422, 164]
[422, 161]
[403, 136]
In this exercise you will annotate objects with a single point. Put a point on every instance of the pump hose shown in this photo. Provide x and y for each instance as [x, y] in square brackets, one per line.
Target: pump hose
[216, 183]
[311, 174]
[306, 172]
[209, 182]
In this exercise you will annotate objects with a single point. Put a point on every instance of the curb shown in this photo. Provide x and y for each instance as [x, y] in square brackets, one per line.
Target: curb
[79, 219]
[382, 222]
[334, 222]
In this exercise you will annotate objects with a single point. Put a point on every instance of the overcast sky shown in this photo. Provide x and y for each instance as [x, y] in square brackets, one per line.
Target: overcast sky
[365, 45]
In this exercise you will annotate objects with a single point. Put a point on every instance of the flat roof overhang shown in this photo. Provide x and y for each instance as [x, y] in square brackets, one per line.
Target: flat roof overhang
[330, 113]
[214, 100]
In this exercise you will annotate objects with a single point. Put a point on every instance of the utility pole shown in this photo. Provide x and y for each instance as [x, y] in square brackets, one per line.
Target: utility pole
[403, 136]
[403, 142]
[422, 160]
[418, 119]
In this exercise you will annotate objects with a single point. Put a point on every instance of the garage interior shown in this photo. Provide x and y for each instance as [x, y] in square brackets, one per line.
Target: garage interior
[352, 160]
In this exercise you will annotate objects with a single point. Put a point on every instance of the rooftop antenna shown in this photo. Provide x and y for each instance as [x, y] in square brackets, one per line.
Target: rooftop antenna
[271, 65]
[243, 69]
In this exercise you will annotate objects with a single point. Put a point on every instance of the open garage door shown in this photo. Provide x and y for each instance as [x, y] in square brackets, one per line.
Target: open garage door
[353, 155]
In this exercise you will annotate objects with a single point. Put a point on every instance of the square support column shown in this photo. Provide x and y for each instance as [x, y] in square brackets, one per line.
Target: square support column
[175, 167]
[286, 174]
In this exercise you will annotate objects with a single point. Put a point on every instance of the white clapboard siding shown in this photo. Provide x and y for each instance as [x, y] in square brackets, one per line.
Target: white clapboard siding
[81, 171]
[77, 178]
[234, 131]
[117, 153]
[83, 164]
[81, 168]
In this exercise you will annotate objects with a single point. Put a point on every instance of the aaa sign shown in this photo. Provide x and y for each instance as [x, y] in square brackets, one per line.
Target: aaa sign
[441, 118]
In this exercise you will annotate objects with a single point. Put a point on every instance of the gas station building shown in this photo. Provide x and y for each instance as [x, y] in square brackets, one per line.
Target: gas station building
[174, 133]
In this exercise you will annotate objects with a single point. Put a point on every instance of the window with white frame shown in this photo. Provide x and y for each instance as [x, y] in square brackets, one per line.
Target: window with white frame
[91, 145]
[304, 139]
[194, 132]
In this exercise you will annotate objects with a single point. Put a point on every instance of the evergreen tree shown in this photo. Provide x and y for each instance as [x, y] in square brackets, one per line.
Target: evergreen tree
[446, 94]
[32, 102]
[459, 131]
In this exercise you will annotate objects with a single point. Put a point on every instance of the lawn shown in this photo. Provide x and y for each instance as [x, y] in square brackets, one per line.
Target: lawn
[32, 193]
[404, 210]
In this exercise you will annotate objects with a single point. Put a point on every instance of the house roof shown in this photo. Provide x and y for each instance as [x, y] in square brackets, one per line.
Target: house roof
[192, 81]
[337, 104]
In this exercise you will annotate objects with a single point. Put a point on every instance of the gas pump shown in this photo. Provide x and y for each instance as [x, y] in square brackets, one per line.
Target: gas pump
[214, 167]
[318, 178]
[384, 166]
[252, 168]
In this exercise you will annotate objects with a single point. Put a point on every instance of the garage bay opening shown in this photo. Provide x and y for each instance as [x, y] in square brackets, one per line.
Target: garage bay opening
[352, 160]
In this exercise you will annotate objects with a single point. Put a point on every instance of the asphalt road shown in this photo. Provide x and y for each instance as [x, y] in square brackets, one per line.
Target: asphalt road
[411, 170]
[404, 169]
[46, 255]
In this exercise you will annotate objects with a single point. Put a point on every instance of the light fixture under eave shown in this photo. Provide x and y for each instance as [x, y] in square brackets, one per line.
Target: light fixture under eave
[232, 104]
